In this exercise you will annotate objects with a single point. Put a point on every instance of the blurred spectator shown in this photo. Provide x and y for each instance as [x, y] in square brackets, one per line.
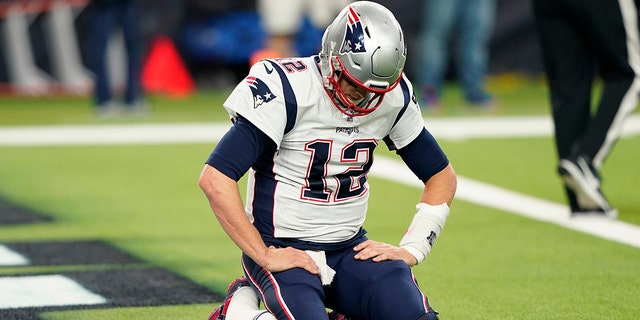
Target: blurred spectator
[106, 16]
[282, 19]
[471, 22]
[580, 43]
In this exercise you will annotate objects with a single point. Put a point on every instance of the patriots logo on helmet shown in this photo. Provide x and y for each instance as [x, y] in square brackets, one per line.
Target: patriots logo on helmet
[354, 37]
[261, 92]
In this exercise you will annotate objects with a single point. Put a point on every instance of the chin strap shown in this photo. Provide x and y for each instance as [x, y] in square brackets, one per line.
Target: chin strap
[425, 227]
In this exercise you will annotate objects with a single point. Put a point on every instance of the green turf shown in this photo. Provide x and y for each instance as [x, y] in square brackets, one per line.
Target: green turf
[201, 106]
[147, 313]
[486, 265]
[528, 165]
[515, 96]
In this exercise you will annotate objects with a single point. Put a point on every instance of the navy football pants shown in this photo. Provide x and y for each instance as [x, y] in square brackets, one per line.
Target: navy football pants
[360, 289]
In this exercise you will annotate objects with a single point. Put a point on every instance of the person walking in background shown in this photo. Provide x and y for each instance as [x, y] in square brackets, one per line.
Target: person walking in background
[580, 43]
[282, 20]
[305, 129]
[106, 17]
[471, 22]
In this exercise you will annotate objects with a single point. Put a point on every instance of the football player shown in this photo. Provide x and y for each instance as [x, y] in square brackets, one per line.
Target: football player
[305, 130]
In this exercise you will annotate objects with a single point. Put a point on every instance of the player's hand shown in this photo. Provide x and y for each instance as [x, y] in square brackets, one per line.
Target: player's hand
[281, 259]
[379, 251]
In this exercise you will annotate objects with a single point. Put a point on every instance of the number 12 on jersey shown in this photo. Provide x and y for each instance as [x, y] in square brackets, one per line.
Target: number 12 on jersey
[351, 183]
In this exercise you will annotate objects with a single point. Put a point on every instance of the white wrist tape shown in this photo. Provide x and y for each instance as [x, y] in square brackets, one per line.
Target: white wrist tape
[424, 229]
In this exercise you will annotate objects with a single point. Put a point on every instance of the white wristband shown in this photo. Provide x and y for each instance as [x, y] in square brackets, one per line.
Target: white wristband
[415, 253]
[425, 227]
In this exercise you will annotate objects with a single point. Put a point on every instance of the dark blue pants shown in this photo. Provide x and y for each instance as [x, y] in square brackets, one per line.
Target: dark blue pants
[581, 44]
[360, 289]
[106, 17]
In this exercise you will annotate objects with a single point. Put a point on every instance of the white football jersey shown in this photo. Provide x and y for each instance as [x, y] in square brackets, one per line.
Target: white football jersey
[314, 188]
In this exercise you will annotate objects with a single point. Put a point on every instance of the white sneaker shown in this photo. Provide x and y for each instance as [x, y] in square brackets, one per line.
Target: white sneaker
[584, 181]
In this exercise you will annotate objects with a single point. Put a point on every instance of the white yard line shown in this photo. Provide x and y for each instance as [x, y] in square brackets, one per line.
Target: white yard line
[509, 201]
[44, 291]
[505, 127]
[446, 129]
[10, 258]
[111, 134]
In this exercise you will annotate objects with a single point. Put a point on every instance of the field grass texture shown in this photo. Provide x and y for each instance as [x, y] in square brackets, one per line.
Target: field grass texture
[488, 264]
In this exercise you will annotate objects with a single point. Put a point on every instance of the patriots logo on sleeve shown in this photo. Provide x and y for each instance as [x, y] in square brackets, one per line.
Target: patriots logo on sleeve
[261, 92]
[354, 37]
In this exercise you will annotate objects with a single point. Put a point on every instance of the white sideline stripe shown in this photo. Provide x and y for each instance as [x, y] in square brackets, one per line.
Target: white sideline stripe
[513, 202]
[44, 291]
[442, 128]
[111, 134]
[502, 127]
[446, 129]
[10, 258]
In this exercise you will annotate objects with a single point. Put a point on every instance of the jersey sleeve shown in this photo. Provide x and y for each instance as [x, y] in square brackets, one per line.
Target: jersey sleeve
[409, 122]
[424, 156]
[259, 98]
[239, 149]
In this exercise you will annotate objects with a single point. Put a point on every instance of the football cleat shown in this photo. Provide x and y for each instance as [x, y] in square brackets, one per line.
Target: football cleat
[220, 313]
[580, 176]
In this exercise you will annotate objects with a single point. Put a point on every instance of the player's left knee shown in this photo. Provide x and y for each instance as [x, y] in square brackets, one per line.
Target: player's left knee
[395, 295]
[392, 281]
[392, 271]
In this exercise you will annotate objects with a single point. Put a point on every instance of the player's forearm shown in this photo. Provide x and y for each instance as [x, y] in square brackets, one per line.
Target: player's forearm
[226, 203]
[432, 213]
[440, 188]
